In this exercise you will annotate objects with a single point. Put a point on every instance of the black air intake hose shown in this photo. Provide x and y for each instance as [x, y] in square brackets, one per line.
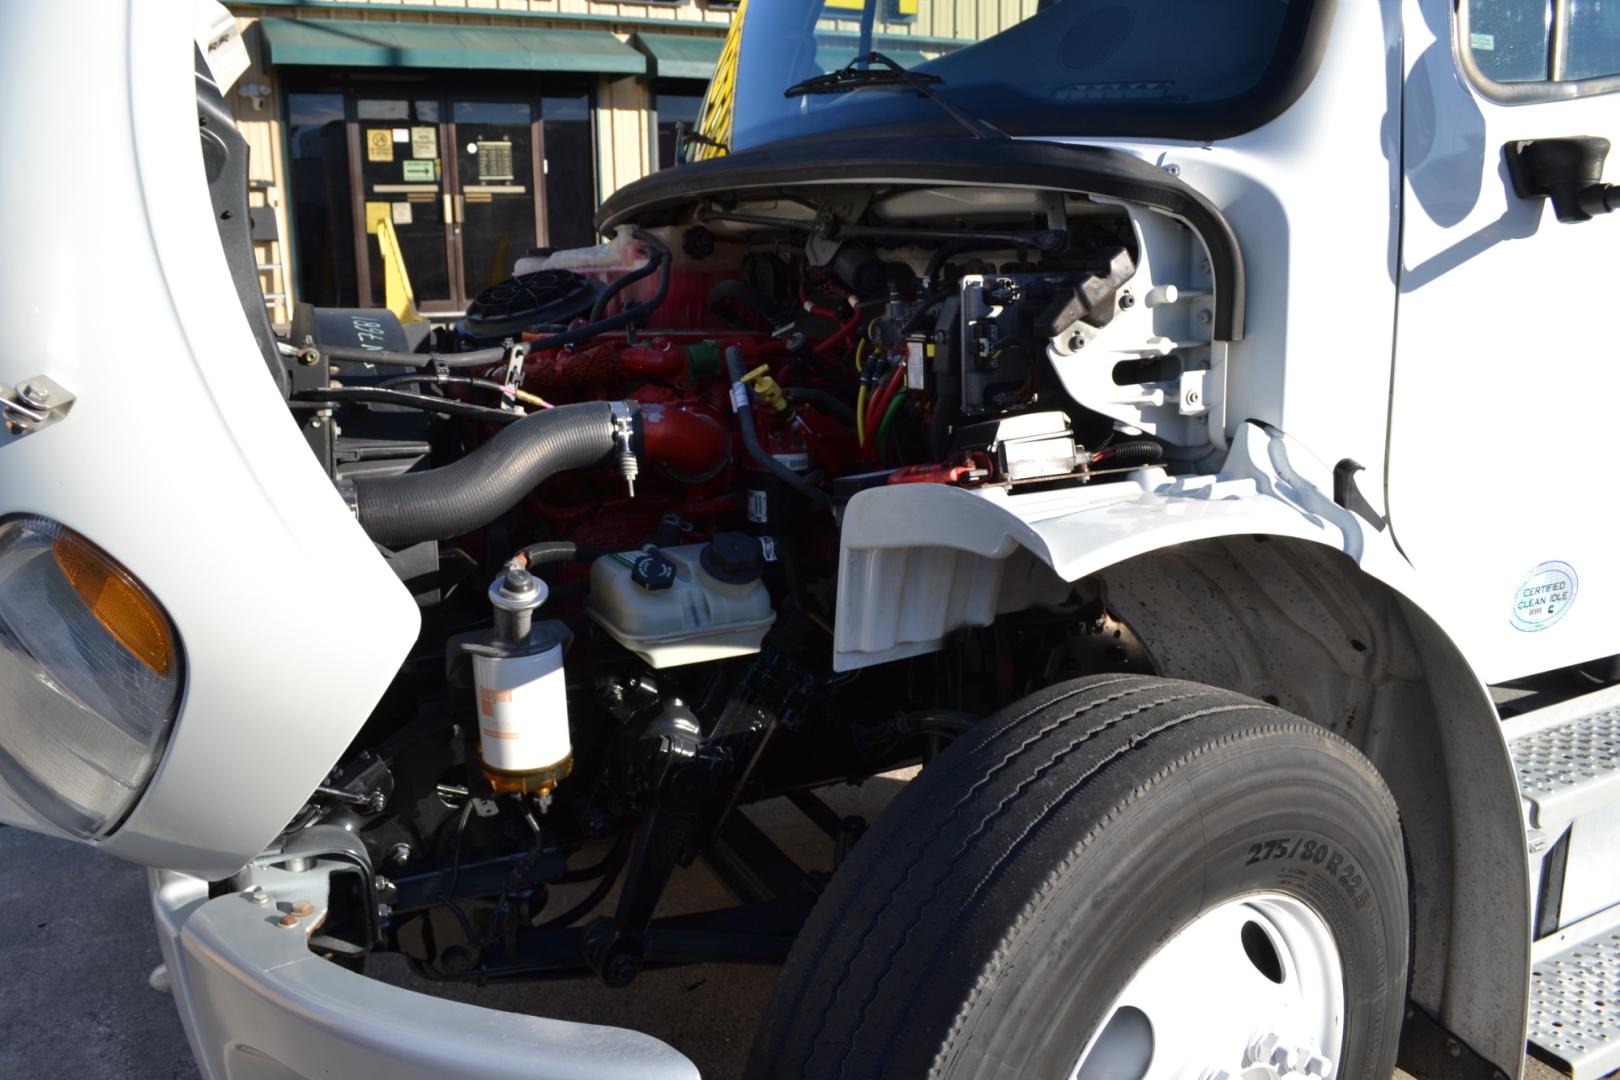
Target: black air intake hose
[467, 494]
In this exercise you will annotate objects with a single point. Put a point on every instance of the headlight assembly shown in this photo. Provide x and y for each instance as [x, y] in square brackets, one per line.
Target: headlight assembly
[90, 677]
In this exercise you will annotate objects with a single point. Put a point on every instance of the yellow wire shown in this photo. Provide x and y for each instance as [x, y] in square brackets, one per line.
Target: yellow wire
[860, 350]
[860, 411]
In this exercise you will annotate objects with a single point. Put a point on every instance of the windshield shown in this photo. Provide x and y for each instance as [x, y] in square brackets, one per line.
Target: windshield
[1196, 69]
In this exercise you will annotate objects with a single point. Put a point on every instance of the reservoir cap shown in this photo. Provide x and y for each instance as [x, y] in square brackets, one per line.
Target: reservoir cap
[734, 558]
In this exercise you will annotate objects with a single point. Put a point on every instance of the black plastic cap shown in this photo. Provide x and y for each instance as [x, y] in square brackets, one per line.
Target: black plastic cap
[653, 572]
[734, 558]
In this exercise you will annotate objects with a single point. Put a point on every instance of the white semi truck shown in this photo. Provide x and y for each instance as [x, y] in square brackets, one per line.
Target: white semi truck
[1176, 425]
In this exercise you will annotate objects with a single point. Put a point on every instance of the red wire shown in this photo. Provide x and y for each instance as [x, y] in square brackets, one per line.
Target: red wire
[876, 407]
[840, 335]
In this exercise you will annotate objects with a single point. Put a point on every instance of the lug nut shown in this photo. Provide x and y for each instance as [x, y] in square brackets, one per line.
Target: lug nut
[287, 921]
[1319, 1066]
[1285, 1059]
[1261, 1048]
[303, 909]
[255, 894]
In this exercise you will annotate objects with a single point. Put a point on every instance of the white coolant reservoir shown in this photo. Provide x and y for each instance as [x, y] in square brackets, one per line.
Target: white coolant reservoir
[684, 605]
[619, 255]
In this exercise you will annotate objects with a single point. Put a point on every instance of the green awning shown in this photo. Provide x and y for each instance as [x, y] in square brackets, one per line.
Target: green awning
[347, 44]
[677, 56]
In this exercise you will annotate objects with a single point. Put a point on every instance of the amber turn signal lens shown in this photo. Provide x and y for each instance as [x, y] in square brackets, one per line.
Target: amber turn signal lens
[120, 604]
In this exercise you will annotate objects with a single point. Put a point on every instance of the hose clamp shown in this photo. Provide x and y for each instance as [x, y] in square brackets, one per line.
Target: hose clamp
[623, 437]
[351, 498]
[516, 353]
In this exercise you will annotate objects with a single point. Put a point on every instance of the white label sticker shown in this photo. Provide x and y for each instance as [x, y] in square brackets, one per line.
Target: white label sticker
[767, 546]
[1544, 596]
[1482, 42]
[756, 507]
[739, 397]
[916, 366]
[402, 135]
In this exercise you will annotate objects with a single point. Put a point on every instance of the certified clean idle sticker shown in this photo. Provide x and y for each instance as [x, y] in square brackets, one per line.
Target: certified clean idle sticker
[1545, 594]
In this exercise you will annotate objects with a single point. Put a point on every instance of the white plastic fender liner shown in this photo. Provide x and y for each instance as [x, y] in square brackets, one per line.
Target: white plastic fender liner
[256, 1002]
[920, 560]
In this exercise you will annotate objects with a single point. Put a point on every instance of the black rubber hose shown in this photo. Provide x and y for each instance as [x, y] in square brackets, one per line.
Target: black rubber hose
[948, 722]
[613, 322]
[750, 437]
[476, 358]
[556, 551]
[924, 306]
[467, 494]
[1137, 452]
[428, 378]
[650, 266]
[831, 374]
[378, 395]
[610, 874]
[821, 399]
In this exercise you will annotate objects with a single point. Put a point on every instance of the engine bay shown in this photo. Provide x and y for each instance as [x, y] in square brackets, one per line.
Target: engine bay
[615, 488]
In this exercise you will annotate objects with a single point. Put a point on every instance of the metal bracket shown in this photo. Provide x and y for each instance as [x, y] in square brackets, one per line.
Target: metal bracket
[1429, 1052]
[34, 404]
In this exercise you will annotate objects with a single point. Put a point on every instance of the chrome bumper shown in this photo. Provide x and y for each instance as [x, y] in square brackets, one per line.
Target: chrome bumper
[257, 1004]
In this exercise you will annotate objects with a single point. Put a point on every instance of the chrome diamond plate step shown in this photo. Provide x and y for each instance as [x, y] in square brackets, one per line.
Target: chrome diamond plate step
[1575, 1005]
[1568, 757]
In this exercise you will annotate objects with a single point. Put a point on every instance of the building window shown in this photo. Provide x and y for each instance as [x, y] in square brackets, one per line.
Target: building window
[678, 102]
[318, 190]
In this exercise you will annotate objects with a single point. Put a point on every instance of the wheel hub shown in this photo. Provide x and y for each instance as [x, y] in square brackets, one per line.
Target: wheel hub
[1252, 989]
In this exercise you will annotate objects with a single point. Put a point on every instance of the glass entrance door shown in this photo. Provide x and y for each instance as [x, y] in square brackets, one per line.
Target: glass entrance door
[496, 204]
[401, 179]
[466, 180]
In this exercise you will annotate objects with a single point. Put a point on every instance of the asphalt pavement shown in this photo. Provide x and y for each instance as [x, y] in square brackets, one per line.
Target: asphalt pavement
[77, 948]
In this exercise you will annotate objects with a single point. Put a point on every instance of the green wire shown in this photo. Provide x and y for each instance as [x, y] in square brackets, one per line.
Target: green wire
[888, 417]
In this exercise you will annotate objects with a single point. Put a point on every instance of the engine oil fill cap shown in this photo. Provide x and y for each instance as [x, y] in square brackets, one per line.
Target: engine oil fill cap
[734, 558]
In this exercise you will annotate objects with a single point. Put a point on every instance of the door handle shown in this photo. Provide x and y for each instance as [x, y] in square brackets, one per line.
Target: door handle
[449, 210]
[1569, 171]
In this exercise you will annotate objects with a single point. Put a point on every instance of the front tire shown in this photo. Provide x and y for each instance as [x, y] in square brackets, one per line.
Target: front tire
[992, 919]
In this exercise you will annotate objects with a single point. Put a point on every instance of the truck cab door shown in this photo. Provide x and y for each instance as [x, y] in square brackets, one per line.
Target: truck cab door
[1507, 355]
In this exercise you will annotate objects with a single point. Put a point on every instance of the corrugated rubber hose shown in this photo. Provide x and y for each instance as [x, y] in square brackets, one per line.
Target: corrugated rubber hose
[467, 494]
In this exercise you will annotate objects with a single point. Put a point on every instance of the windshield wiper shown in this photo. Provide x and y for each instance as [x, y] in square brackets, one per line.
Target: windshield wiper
[858, 75]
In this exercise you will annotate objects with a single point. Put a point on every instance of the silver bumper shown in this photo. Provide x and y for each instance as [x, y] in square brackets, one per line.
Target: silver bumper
[258, 1005]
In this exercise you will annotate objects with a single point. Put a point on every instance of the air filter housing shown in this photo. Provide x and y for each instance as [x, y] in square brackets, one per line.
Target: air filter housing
[543, 298]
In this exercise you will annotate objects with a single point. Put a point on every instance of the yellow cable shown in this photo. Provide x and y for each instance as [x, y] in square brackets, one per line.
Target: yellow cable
[860, 411]
[860, 351]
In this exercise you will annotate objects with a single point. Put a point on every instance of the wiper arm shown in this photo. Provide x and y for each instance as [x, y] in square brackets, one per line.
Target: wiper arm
[853, 77]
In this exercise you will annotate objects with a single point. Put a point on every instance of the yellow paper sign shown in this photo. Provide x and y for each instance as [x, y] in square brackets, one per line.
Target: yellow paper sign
[379, 144]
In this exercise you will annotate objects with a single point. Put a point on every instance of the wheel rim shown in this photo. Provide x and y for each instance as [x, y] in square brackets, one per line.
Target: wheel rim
[1250, 990]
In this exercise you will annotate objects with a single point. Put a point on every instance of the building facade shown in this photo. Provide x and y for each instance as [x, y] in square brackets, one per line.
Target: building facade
[476, 129]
